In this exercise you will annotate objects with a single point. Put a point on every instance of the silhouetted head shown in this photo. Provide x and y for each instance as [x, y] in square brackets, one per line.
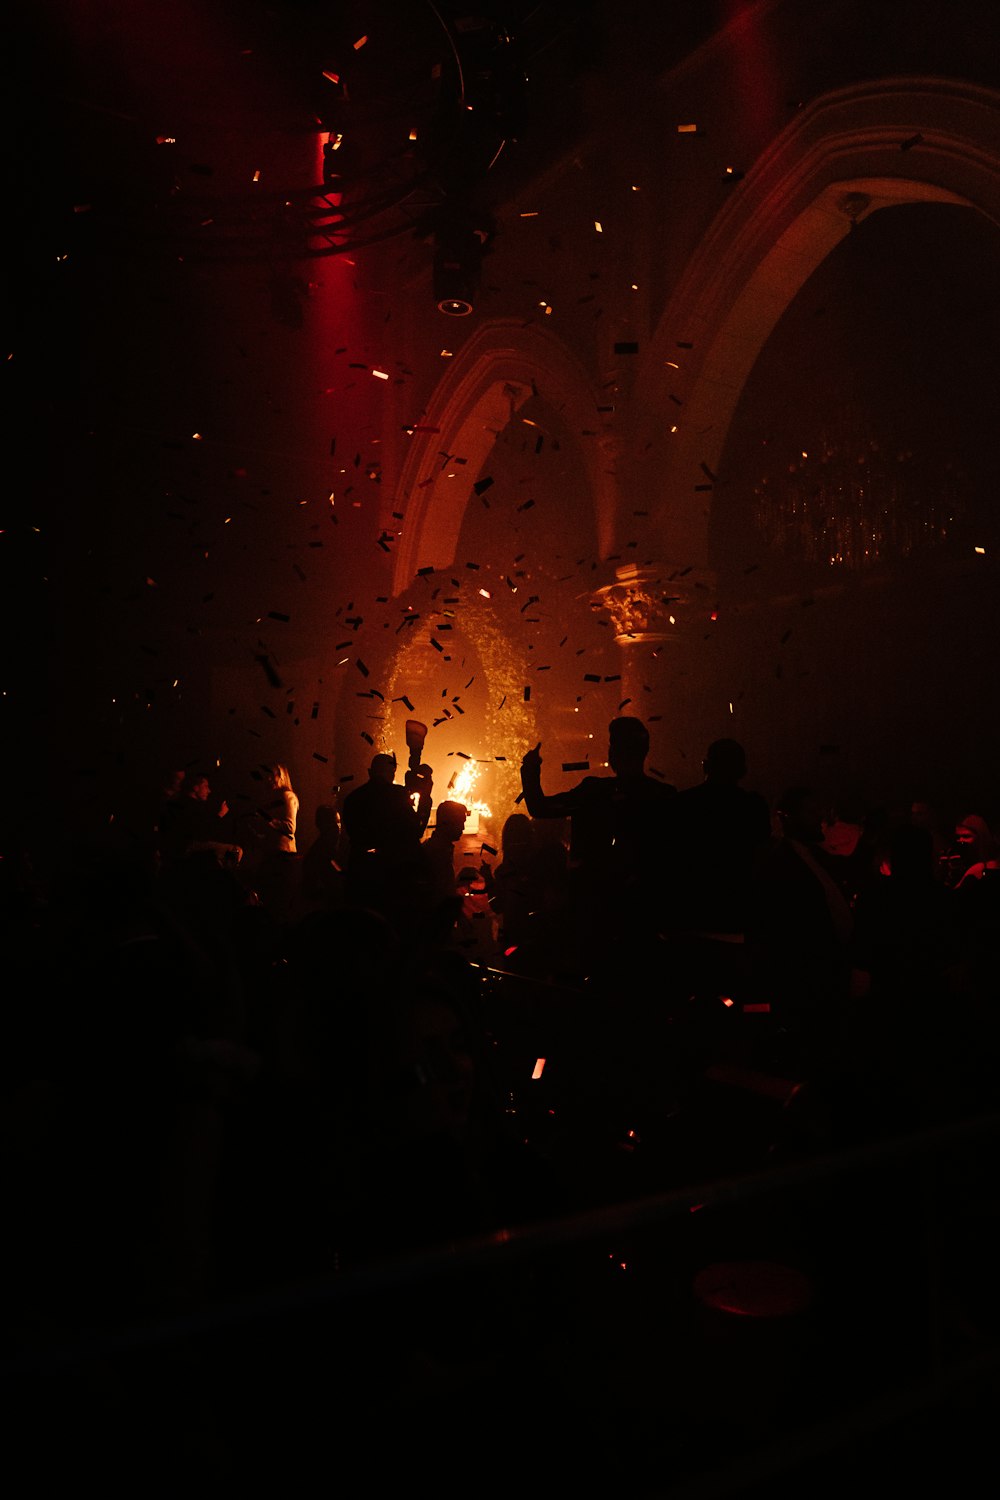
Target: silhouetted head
[327, 820]
[279, 778]
[450, 819]
[975, 836]
[383, 767]
[173, 784]
[198, 787]
[516, 836]
[910, 853]
[725, 760]
[628, 746]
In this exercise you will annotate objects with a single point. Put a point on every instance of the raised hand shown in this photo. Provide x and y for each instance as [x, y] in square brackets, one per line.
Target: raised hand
[532, 759]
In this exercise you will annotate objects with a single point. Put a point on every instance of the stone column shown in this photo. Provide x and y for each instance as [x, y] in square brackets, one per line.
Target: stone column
[663, 620]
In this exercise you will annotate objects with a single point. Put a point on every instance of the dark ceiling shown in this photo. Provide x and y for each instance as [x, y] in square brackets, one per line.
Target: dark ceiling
[492, 94]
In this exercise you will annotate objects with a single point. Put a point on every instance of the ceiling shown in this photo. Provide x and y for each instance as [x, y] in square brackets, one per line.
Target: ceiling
[137, 122]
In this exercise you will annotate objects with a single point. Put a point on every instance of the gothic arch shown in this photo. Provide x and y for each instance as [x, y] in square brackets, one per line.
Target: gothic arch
[479, 725]
[847, 155]
[495, 372]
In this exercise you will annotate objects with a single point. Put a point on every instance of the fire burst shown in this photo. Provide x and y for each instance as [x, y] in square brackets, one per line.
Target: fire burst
[462, 785]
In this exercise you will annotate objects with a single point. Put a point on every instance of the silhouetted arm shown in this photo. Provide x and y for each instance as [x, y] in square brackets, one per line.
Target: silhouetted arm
[559, 805]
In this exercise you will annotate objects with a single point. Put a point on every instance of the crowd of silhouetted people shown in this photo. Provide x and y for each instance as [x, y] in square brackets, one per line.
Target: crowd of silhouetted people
[243, 1053]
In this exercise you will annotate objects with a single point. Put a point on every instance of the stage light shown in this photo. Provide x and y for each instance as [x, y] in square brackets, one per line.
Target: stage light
[456, 281]
[460, 241]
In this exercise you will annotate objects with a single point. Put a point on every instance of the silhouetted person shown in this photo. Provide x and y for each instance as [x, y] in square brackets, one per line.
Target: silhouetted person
[975, 896]
[923, 1043]
[717, 829]
[384, 830]
[513, 885]
[281, 812]
[529, 898]
[800, 929]
[923, 814]
[194, 822]
[279, 870]
[618, 825]
[323, 882]
[439, 893]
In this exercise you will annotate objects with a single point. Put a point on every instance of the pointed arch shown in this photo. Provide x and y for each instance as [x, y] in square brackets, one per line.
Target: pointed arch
[496, 371]
[847, 155]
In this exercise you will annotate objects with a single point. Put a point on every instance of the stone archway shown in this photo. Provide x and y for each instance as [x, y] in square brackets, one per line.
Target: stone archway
[844, 157]
[484, 723]
[496, 371]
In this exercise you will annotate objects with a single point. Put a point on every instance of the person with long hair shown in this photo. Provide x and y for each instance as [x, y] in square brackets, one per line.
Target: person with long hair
[282, 811]
[278, 873]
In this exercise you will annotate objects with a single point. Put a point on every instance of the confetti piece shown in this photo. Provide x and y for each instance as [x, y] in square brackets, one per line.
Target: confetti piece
[707, 472]
[273, 614]
[627, 346]
[269, 671]
[481, 485]
[591, 677]
[527, 694]
[910, 142]
[316, 756]
[687, 130]
[576, 765]
[361, 667]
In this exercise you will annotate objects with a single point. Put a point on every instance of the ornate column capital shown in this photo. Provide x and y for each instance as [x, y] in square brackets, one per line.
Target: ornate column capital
[655, 604]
